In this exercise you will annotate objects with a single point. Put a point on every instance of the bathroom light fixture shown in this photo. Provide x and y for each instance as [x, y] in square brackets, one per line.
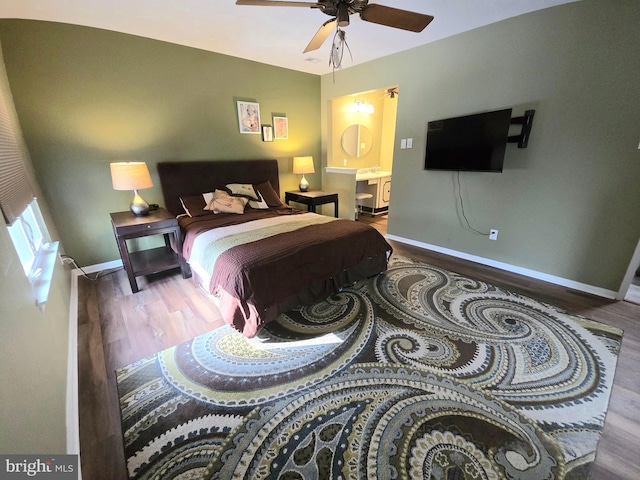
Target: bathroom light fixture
[302, 165]
[132, 176]
[360, 106]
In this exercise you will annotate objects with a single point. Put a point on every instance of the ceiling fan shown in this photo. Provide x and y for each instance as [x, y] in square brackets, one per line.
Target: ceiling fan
[340, 11]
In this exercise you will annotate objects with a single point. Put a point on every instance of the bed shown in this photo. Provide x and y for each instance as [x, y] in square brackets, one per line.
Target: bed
[269, 257]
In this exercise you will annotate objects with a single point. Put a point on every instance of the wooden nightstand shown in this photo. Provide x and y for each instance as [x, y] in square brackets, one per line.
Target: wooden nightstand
[154, 260]
[312, 198]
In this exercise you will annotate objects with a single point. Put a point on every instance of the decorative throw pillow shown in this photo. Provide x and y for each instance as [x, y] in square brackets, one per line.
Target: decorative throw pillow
[222, 202]
[210, 197]
[243, 190]
[259, 205]
[207, 198]
[268, 194]
[196, 205]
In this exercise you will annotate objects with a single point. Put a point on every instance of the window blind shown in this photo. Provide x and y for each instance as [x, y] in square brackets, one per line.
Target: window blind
[15, 188]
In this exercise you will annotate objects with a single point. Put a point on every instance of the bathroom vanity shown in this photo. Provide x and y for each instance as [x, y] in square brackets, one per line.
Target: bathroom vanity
[378, 184]
[360, 159]
[349, 181]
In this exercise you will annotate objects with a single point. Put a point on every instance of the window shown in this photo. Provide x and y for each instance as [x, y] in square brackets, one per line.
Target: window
[27, 238]
[36, 252]
[19, 207]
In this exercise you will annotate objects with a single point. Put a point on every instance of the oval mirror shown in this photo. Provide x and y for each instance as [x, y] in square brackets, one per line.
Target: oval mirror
[357, 140]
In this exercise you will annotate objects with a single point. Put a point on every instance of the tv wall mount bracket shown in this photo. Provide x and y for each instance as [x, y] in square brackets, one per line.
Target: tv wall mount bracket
[526, 121]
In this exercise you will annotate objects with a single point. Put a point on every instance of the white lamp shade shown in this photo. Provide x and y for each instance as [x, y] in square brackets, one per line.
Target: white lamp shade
[303, 165]
[130, 176]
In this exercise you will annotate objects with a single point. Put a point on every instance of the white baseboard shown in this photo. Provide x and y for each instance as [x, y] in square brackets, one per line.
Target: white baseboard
[72, 414]
[583, 287]
[99, 267]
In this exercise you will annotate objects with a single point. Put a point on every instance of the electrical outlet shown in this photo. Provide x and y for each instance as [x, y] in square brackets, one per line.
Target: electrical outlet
[403, 143]
[493, 234]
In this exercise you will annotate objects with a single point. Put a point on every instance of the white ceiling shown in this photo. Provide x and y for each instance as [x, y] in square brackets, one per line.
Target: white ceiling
[272, 35]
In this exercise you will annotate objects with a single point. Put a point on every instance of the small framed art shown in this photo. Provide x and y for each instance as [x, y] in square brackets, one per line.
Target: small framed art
[280, 128]
[267, 133]
[249, 117]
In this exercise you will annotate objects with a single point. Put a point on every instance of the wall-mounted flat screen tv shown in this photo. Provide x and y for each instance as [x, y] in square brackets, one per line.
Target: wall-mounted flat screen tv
[472, 143]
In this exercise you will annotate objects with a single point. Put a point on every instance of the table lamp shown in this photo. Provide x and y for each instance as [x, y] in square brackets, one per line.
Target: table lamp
[302, 165]
[132, 176]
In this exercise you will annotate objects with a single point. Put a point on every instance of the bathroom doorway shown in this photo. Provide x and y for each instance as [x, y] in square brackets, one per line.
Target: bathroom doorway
[363, 135]
[630, 288]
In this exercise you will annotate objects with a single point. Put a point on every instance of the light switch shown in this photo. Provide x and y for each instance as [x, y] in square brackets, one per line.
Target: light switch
[403, 143]
[409, 142]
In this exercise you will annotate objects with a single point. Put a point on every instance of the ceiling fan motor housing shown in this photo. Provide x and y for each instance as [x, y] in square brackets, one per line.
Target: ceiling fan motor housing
[334, 8]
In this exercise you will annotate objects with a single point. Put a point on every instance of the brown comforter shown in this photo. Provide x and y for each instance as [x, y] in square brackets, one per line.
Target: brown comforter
[256, 281]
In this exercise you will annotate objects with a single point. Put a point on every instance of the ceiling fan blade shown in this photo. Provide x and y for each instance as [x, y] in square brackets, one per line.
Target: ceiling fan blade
[274, 3]
[396, 18]
[321, 35]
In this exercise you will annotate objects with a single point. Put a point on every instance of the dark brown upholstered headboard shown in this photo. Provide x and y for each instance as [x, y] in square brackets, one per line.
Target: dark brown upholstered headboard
[194, 177]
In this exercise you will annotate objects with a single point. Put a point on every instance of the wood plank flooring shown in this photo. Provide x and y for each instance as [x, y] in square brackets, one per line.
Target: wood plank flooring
[116, 328]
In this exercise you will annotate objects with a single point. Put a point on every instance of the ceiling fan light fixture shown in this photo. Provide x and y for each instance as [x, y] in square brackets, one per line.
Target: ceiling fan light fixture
[343, 15]
[341, 10]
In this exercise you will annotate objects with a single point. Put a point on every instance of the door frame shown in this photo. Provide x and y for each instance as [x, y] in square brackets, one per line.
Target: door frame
[631, 272]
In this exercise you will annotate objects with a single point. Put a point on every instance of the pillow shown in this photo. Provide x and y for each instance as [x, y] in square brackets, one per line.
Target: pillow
[196, 205]
[259, 205]
[268, 194]
[222, 202]
[243, 190]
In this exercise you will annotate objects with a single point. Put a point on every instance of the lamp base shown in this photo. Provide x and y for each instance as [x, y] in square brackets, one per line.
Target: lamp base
[304, 185]
[139, 207]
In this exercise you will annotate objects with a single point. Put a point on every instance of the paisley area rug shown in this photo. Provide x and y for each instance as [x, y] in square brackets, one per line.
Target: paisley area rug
[417, 373]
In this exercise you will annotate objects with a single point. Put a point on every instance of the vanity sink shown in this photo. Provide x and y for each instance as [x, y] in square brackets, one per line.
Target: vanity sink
[361, 173]
[371, 173]
[373, 181]
[342, 170]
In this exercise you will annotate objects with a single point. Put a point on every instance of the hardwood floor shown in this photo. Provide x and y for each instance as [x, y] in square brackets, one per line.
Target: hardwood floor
[116, 328]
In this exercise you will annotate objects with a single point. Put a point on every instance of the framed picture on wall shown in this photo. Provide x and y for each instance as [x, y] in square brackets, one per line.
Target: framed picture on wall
[267, 133]
[249, 117]
[281, 128]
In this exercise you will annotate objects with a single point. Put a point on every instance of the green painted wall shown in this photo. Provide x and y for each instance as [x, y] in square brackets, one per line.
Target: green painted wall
[33, 346]
[86, 97]
[569, 204]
